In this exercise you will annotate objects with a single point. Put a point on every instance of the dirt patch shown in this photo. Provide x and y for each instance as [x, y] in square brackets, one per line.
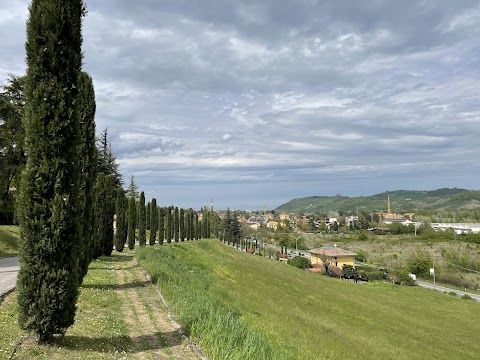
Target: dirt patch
[152, 333]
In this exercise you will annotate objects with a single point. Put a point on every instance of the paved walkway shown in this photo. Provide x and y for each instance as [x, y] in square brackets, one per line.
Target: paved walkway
[445, 289]
[8, 274]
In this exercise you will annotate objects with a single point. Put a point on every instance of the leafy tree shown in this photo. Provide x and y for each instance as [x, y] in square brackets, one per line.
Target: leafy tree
[131, 222]
[49, 193]
[161, 225]
[153, 221]
[106, 160]
[12, 154]
[299, 262]
[88, 175]
[419, 263]
[121, 211]
[326, 263]
[142, 235]
[349, 272]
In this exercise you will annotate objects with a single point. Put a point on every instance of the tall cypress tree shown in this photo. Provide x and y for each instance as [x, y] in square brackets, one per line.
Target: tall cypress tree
[100, 216]
[176, 225]
[196, 228]
[168, 225]
[109, 204]
[161, 225]
[88, 160]
[131, 223]
[121, 228]
[181, 219]
[49, 200]
[142, 220]
[147, 216]
[153, 222]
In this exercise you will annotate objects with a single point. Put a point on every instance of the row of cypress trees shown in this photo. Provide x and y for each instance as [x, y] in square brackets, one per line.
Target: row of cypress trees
[170, 223]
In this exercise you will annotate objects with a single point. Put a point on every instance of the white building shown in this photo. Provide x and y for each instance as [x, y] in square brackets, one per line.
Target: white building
[460, 228]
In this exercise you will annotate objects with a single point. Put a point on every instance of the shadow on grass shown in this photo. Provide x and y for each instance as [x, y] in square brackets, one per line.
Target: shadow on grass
[112, 268]
[131, 285]
[116, 258]
[108, 344]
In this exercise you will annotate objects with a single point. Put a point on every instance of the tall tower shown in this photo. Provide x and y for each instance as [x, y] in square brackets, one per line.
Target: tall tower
[388, 201]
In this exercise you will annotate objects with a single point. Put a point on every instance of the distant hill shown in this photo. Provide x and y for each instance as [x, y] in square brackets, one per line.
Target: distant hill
[400, 201]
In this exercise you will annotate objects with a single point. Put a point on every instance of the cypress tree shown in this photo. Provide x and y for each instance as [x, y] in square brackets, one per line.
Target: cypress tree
[182, 224]
[121, 229]
[109, 204]
[88, 160]
[142, 235]
[153, 222]
[131, 223]
[195, 226]
[49, 200]
[168, 225]
[176, 225]
[161, 225]
[147, 216]
[100, 216]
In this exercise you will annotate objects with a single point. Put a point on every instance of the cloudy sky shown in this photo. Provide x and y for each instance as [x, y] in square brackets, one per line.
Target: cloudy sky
[253, 103]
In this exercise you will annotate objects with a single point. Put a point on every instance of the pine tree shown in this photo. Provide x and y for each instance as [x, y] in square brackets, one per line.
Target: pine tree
[100, 230]
[121, 228]
[142, 235]
[161, 225]
[131, 223]
[49, 200]
[153, 222]
[182, 224]
[106, 160]
[88, 159]
[132, 190]
[109, 212]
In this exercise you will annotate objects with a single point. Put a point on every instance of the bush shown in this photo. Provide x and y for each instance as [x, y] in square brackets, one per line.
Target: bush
[420, 264]
[361, 256]
[371, 275]
[362, 236]
[299, 262]
[401, 277]
[466, 297]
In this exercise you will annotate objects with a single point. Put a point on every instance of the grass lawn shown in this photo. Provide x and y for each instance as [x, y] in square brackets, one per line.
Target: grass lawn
[119, 316]
[292, 314]
[9, 236]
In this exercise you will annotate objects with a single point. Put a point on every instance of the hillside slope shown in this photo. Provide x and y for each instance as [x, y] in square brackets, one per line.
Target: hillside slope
[400, 200]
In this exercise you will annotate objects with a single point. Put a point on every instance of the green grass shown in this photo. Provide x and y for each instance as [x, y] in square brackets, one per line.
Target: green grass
[240, 306]
[99, 331]
[9, 236]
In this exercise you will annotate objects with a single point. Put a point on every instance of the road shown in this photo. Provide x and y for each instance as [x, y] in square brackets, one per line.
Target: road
[8, 274]
[443, 289]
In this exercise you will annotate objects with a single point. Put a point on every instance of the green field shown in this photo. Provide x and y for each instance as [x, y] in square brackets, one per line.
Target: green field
[241, 306]
[9, 236]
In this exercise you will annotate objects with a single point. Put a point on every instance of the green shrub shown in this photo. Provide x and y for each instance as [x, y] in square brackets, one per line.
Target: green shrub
[466, 297]
[401, 277]
[362, 236]
[361, 256]
[299, 262]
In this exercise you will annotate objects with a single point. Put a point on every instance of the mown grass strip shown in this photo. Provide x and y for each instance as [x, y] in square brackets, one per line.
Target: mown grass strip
[99, 331]
[240, 306]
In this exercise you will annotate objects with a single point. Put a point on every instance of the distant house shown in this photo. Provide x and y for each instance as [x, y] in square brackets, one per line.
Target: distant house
[336, 256]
